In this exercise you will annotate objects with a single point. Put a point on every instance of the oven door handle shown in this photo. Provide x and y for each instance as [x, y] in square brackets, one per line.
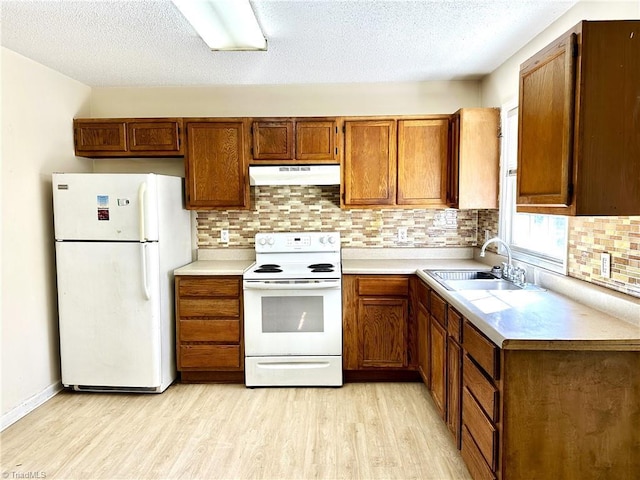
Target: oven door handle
[266, 285]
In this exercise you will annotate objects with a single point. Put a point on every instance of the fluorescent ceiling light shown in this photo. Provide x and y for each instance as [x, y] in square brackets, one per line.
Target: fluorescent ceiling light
[224, 24]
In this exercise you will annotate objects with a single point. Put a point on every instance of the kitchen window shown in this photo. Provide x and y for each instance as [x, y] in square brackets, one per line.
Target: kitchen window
[536, 239]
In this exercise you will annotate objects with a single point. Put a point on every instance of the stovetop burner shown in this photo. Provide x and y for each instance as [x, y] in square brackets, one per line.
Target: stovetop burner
[321, 268]
[268, 268]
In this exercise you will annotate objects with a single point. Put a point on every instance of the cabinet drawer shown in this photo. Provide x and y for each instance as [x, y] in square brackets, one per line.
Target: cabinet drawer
[438, 308]
[383, 286]
[209, 331]
[208, 287]
[481, 388]
[209, 356]
[482, 350]
[423, 295]
[454, 324]
[473, 458]
[209, 307]
[484, 434]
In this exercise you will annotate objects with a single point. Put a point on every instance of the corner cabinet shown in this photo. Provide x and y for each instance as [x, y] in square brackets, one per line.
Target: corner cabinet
[294, 140]
[579, 126]
[395, 162]
[128, 137]
[216, 167]
[474, 167]
[209, 328]
[377, 328]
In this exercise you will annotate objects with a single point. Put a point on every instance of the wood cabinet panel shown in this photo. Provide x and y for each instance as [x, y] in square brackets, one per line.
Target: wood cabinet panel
[128, 137]
[423, 152]
[438, 308]
[316, 141]
[215, 165]
[578, 142]
[473, 458]
[209, 327]
[155, 136]
[474, 165]
[273, 140]
[438, 361]
[454, 324]
[209, 287]
[381, 286]
[209, 357]
[424, 366]
[100, 136]
[454, 389]
[383, 332]
[481, 388]
[369, 175]
[484, 433]
[545, 136]
[482, 350]
[209, 330]
[210, 307]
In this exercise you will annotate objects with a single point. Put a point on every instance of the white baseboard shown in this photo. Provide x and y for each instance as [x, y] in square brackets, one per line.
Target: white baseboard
[15, 414]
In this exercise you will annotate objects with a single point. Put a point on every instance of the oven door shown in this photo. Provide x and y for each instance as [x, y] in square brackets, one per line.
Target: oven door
[292, 317]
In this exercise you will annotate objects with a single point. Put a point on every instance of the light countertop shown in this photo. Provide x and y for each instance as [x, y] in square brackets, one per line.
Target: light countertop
[514, 319]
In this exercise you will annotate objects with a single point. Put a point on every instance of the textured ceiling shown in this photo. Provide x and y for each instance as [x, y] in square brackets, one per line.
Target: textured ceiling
[149, 43]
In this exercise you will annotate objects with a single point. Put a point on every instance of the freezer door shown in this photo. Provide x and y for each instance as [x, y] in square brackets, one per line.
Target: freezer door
[109, 207]
[110, 332]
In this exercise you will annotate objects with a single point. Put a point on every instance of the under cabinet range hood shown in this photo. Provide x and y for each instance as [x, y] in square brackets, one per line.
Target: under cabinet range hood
[294, 175]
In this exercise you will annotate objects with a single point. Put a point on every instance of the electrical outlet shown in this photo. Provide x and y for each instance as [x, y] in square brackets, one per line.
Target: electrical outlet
[224, 236]
[605, 265]
[402, 234]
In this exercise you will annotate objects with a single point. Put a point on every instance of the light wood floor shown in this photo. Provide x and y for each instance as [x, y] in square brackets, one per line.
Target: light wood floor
[362, 430]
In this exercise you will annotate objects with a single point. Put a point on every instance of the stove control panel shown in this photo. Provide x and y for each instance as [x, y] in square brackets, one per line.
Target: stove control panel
[295, 242]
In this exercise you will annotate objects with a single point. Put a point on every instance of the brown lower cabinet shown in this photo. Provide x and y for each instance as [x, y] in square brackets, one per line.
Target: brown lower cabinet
[529, 414]
[378, 337]
[209, 335]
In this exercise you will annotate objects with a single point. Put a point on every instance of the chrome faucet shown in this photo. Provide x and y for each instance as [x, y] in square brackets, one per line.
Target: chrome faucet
[515, 274]
[500, 241]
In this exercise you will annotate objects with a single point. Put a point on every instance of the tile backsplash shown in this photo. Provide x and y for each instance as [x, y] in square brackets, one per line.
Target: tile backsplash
[297, 208]
[619, 236]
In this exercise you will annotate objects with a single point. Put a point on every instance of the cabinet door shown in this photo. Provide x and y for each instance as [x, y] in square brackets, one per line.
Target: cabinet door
[423, 151]
[155, 136]
[273, 140]
[423, 346]
[316, 141]
[439, 366]
[215, 165]
[454, 389]
[545, 119]
[102, 137]
[382, 325]
[370, 163]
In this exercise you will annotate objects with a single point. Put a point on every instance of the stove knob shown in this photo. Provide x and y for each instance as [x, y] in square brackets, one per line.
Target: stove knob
[322, 240]
[262, 241]
[332, 240]
[271, 241]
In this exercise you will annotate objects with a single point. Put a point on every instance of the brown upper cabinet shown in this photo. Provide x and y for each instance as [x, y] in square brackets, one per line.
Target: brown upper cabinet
[396, 162]
[128, 137]
[216, 167]
[579, 123]
[474, 167]
[309, 140]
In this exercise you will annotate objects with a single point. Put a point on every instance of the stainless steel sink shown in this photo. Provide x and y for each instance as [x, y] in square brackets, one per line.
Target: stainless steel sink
[458, 280]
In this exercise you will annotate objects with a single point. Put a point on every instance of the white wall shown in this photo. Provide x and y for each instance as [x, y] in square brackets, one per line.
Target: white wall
[284, 100]
[38, 105]
[502, 85]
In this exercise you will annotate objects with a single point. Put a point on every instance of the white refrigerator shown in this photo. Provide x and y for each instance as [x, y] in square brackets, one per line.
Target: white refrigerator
[118, 238]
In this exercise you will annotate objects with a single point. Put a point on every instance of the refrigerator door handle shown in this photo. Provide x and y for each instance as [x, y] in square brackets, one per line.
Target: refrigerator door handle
[145, 276]
[142, 190]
